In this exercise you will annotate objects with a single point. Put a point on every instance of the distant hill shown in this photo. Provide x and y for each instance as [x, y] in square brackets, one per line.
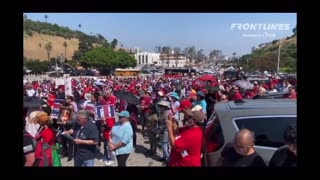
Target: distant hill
[265, 56]
[34, 46]
[38, 34]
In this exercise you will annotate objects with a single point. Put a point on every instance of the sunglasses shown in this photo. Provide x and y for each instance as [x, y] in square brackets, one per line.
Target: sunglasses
[242, 148]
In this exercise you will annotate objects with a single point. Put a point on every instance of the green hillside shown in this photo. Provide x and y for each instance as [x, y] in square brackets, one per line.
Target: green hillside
[265, 56]
[56, 30]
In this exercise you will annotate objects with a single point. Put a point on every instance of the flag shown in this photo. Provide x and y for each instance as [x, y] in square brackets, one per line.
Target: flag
[104, 111]
[56, 108]
[89, 106]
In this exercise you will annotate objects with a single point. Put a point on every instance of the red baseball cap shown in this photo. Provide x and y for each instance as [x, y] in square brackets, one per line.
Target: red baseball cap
[184, 104]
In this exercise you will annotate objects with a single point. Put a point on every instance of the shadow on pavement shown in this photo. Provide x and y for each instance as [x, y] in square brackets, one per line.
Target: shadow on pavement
[99, 155]
[140, 149]
[143, 150]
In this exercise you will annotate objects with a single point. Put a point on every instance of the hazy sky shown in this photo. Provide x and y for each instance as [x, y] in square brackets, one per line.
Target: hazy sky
[203, 30]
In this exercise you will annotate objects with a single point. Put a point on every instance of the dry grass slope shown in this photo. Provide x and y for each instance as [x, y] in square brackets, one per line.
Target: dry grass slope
[32, 49]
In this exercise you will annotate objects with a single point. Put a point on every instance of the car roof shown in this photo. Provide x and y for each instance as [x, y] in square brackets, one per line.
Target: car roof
[256, 107]
[258, 104]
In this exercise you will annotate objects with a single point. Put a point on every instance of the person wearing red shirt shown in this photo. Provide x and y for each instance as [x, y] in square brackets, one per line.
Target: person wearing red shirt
[107, 126]
[108, 157]
[110, 98]
[292, 93]
[145, 102]
[236, 95]
[86, 89]
[51, 99]
[45, 138]
[249, 94]
[186, 147]
[256, 87]
[102, 100]
[264, 85]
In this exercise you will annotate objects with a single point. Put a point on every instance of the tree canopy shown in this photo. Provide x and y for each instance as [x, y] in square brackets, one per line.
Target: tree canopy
[36, 66]
[102, 57]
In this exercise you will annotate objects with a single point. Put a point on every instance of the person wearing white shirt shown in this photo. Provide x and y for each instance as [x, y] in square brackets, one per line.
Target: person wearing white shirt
[272, 89]
[286, 86]
[30, 92]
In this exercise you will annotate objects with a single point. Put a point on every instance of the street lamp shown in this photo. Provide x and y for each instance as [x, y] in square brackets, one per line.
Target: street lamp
[278, 67]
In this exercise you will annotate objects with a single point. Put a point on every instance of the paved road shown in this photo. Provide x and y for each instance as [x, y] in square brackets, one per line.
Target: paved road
[136, 158]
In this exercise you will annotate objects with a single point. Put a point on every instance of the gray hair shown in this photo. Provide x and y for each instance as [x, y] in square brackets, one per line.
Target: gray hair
[83, 113]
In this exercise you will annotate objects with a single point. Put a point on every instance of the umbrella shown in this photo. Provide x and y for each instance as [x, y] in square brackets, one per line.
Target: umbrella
[244, 84]
[100, 83]
[30, 102]
[213, 88]
[208, 77]
[128, 97]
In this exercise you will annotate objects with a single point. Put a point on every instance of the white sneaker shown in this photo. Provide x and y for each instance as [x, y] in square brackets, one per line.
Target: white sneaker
[109, 163]
[106, 163]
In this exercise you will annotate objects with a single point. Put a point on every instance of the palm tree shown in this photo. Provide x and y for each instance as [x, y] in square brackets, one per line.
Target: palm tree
[79, 27]
[25, 17]
[24, 20]
[46, 17]
[166, 50]
[234, 58]
[48, 49]
[65, 44]
[114, 43]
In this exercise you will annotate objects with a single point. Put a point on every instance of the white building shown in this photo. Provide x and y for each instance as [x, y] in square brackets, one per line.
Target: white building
[147, 58]
[173, 61]
[157, 59]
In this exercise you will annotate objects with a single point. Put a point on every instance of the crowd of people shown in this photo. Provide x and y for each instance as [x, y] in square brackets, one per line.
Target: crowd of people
[171, 112]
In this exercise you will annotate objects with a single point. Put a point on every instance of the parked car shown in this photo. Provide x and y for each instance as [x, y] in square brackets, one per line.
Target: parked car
[277, 95]
[55, 74]
[267, 118]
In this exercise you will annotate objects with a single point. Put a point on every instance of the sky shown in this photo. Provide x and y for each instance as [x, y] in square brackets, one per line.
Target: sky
[227, 32]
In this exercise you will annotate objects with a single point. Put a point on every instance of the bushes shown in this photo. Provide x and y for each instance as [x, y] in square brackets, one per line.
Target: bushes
[29, 32]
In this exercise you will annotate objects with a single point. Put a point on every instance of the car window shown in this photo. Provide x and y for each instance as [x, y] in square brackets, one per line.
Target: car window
[268, 131]
[213, 134]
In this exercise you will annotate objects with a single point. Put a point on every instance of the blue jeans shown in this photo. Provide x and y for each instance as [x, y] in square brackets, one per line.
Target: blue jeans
[80, 163]
[165, 150]
[105, 154]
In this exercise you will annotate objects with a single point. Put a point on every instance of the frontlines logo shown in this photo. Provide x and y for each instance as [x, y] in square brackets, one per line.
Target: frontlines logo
[262, 27]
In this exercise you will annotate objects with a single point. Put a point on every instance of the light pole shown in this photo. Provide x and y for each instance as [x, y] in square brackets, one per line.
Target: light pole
[278, 67]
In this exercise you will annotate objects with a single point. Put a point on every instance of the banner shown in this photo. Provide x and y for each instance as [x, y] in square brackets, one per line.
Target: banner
[59, 81]
[90, 106]
[56, 108]
[104, 111]
[68, 86]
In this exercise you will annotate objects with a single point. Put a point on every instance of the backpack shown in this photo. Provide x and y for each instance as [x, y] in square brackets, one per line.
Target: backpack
[43, 152]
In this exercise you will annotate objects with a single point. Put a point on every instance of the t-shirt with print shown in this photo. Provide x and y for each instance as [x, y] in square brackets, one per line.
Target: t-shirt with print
[88, 131]
[187, 149]
[232, 159]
